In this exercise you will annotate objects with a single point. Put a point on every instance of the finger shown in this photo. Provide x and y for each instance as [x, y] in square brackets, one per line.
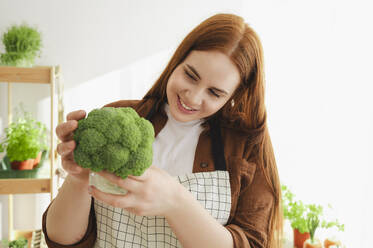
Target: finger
[69, 165]
[76, 115]
[118, 201]
[65, 130]
[128, 184]
[66, 147]
[144, 175]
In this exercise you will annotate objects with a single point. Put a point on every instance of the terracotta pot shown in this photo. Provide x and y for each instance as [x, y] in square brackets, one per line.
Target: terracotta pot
[23, 165]
[308, 244]
[328, 242]
[37, 160]
[299, 238]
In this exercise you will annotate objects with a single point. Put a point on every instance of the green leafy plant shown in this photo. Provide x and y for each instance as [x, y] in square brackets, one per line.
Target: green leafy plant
[25, 138]
[313, 220]
[22, 45]
[305, 217]
[294, 211]
[18, 243]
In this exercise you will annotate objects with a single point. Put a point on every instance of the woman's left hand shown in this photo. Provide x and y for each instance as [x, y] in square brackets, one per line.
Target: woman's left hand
[153, 193]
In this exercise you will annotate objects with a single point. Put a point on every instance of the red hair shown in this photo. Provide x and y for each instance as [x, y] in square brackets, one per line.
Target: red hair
[229, 34]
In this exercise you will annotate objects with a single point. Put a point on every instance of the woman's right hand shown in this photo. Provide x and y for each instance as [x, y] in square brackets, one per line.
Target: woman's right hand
[64, 132]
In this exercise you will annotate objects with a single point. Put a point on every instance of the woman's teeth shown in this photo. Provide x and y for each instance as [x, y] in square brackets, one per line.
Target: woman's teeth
[185, 106]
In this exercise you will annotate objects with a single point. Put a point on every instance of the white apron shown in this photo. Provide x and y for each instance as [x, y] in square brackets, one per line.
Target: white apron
[118, 228]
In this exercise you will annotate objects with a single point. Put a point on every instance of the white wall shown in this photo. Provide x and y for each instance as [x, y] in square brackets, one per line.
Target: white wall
[318, 58]
[107, 50]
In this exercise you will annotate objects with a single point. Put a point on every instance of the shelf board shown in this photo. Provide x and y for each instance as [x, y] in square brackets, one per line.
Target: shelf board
[24, 185]
[38, 74]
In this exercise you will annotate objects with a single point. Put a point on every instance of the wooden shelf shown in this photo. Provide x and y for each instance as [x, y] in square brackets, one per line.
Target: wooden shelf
[25, 185]
[39, 74]
[33, 75]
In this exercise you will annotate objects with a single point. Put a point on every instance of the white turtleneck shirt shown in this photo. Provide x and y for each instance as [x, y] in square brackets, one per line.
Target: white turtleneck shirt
[175, 145]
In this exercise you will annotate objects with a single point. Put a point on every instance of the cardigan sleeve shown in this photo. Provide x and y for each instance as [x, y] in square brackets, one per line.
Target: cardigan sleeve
[88, 239]
[250, 224]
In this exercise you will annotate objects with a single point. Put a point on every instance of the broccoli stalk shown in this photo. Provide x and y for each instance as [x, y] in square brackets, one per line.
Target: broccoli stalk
[116, 140]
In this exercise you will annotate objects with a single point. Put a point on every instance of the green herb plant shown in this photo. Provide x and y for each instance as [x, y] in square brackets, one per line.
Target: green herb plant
[313, 220]
[22, 45]
[25, 138]
[18, 243]
[294, 211]
[305, 217]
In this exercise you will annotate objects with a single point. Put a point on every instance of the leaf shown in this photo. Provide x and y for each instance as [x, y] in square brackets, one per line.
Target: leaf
[24, 138]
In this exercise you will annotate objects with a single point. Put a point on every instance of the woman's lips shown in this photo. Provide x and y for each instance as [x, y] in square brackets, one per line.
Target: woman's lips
[182, 109]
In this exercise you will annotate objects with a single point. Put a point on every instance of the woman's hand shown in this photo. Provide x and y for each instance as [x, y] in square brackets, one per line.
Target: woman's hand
[153, 193]
[64, 132]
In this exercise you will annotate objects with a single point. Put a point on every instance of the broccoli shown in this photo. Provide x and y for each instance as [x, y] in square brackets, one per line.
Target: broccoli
[116, 140]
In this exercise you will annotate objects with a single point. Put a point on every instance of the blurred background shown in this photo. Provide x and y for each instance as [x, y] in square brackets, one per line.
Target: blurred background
[318, 63]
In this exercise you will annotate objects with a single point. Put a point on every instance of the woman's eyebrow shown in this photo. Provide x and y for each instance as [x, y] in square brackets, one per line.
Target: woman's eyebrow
[220, 90]
[193, 70]
[199, 77]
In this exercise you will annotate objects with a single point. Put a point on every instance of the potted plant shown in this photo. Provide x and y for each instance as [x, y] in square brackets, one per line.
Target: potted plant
[305, 219]
[314, 216]
[313, 222]
[25, 140]
[295, 212]
[22, 45]
[332, 241]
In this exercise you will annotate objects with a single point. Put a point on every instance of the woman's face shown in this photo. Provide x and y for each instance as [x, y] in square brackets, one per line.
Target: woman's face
[201, 85]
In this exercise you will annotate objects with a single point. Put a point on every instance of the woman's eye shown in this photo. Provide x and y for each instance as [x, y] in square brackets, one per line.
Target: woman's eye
[213, 92]
[189, 75]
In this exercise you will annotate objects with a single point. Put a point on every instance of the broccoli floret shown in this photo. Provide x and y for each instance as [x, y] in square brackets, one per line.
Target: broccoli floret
[114, 139]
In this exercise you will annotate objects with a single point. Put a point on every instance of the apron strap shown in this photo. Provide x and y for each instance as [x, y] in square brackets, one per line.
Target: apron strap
[216, 140]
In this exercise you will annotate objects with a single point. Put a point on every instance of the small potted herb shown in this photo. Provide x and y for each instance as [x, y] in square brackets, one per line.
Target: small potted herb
[295, 212]
[305, 219]
[22, 45]
[313, 222]
[314, 216]
[25, 140]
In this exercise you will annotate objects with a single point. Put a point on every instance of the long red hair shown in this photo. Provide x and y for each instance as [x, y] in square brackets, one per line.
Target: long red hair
[230, 35]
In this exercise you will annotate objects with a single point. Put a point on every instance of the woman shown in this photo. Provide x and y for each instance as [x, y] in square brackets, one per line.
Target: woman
[208, 112]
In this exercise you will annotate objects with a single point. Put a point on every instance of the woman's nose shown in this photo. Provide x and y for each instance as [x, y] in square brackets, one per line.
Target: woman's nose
[195, 98]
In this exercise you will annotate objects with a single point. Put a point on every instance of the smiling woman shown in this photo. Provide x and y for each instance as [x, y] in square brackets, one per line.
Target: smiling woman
[213, 181]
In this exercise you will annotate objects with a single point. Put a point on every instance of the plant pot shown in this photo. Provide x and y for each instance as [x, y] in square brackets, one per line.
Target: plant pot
[300, 238]
[316, 244]
[23, 165]
[329, 242]
[37, 160]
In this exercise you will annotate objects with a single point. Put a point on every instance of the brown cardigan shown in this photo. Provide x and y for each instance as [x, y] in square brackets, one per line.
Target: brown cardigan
[252, 199]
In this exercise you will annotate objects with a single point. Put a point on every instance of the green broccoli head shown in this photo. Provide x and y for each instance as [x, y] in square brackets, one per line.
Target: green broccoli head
[114, 139]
